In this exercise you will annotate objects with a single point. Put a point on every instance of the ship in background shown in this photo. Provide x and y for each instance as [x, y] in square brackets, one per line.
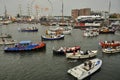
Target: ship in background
[88, 21]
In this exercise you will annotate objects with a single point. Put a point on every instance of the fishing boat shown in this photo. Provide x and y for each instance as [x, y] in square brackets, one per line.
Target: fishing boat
[85, 69]
[52, 37]
[7, 42]
[81, 54]
[111, 50]
[63, 50]
[4, 35]
[25, 46]
[28, 29]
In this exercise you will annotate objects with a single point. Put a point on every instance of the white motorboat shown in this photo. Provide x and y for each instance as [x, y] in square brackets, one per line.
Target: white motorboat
[85, 69]
[59, 30]
[4, 35]
[81, 54]
[111, 50]
[52, 37]
[7, 42]
[91, 32]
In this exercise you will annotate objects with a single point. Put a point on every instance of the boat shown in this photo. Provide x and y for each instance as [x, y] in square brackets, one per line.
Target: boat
[63, 50]
[59, 30]
[111, 50]
[106, 44]
[52, 37]
[106, 30]
[25, 46]
[28, 29]
[6, 22]
[85, 69]
[4, 35]
[65, 32]
[81, 54]
[63, 24]
[7, 42]
[91, 32]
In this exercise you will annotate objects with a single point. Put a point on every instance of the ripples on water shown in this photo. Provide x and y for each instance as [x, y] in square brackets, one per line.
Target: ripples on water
[44, 65]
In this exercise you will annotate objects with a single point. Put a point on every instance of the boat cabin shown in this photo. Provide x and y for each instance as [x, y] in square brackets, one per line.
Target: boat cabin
[23, 43]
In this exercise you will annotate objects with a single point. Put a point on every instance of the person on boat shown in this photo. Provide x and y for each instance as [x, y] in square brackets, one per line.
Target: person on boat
[46, 32]
[81, 52]
[73, 52]
[3, 40]
[86, 52]
[85, 64]
[90, 64]
[61, 49]
[89, 51]
[113, 41]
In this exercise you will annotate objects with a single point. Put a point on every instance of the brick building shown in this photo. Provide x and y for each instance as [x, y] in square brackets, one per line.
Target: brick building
[80, 12]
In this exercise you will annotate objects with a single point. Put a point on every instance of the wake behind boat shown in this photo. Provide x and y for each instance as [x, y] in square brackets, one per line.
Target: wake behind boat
[85, 69]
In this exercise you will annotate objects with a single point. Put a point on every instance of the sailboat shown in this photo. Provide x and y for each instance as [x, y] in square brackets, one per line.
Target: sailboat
[63, 23]
[107, 29]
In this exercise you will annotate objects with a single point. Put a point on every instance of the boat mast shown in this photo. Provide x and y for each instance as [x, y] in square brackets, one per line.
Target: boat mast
[62, 12]
[109, 12]
[5, 12]
[20, 10]
[28, 7]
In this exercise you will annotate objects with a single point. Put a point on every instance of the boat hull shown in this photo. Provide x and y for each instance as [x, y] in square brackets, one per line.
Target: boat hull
[55, 52]
[38, 47]
[80, 72]
[108, 32]
[78, 55]
[36, 30]
[109, 51]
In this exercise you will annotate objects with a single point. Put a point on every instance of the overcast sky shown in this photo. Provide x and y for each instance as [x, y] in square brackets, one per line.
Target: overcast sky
[55, 6]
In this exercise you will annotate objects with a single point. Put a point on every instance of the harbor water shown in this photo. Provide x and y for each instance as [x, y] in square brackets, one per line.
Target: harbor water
[43, 65]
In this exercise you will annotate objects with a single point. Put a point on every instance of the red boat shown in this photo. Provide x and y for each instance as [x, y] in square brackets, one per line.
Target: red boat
[106, 44]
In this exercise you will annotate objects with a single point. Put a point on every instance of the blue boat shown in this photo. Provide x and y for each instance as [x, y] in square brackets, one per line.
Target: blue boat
[25, 46]
[52, 37]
